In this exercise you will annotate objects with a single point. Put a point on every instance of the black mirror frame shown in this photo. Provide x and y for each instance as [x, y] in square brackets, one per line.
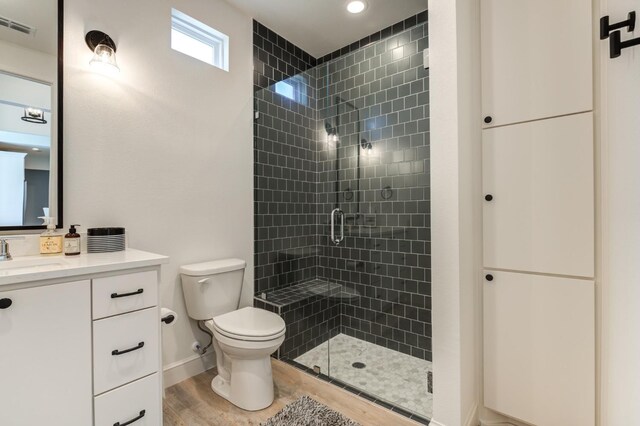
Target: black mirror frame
[59, 216]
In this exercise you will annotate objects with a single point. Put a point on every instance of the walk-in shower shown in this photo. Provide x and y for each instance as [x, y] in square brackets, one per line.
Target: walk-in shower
[342, 234]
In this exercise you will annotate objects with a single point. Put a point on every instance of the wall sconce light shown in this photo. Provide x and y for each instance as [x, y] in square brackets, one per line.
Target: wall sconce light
[33, 115]
[104, 51]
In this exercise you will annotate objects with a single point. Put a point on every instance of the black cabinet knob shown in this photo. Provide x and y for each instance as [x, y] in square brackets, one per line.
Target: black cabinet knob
[488, 119]
[489, 277]
[488, 197]
[5, 303]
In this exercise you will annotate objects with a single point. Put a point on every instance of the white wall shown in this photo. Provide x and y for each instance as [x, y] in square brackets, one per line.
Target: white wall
[456, 216]
[620, 164]
[165, 147]
[30, 63]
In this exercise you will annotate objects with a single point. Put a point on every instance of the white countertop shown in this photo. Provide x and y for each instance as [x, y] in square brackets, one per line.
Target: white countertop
[37, 268]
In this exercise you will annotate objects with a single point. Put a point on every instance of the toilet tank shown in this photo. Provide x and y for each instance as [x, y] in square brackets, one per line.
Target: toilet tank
[212, 288]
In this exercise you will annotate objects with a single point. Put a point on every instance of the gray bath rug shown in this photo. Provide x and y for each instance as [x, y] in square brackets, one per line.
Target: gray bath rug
[306, 411]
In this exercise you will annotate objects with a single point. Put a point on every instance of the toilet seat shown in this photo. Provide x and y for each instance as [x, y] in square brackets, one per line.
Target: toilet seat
[249, 324]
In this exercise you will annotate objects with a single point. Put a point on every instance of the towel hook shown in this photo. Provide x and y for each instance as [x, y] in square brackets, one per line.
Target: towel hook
[606, 28]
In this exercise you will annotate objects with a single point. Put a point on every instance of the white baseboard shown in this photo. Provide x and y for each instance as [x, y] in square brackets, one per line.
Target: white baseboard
[189, 367]
[472, 417]
[493, 418]
[471, 420]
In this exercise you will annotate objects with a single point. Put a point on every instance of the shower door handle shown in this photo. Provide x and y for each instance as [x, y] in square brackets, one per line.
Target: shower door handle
[333, 226]
[337, 240]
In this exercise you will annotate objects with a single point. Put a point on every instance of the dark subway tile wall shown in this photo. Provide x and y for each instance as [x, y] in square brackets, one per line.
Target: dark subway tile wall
[310, 322]
[375, 94]
[285, 163]
[378, 174]
[275, 58]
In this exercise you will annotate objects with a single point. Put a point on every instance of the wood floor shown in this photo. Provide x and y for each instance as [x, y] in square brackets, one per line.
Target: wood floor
[193, 403]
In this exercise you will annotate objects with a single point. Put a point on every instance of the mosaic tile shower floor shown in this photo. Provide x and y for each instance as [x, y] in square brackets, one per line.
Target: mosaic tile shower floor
[392, 376]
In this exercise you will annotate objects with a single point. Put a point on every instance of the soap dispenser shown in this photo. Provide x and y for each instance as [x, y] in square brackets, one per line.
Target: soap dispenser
[50, 241]
[72, 242]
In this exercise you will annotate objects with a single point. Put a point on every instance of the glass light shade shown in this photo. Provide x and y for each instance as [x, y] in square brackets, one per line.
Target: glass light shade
[104, 58]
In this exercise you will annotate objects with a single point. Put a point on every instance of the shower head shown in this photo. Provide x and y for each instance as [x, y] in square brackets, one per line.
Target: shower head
[364, 144]
[328, 127]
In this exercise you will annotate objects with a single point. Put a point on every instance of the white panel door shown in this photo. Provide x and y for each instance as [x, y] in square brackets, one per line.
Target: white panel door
[45, 356]
[536, 59]
[540, 175]
[539, 348]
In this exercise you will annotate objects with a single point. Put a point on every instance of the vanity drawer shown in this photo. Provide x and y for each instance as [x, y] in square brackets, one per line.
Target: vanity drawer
[125, 348]
[124, 293]
[138, 400]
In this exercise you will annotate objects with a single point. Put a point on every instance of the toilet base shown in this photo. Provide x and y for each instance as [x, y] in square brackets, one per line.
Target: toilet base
[221, 387]
[251, 385]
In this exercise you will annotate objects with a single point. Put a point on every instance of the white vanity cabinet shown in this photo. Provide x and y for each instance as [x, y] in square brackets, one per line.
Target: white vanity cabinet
[45, 355]
[126, 350]
[80, 344]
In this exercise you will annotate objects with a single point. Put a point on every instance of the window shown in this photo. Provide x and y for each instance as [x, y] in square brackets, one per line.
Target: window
[285, 89]
[200, 41]
[294, 88]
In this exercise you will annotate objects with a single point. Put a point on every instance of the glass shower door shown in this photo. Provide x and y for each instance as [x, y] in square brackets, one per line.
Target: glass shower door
[374, 170]
[361, 313]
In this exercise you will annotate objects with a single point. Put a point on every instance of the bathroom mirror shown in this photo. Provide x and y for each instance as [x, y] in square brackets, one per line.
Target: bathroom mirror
[30, 113]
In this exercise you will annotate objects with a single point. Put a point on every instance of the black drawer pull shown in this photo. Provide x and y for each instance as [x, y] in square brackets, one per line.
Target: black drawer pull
[5, 303]
[141, 415]
[135, 348]
[133, 293]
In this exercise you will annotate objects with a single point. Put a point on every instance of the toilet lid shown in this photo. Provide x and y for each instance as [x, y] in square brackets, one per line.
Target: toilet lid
[250, 322]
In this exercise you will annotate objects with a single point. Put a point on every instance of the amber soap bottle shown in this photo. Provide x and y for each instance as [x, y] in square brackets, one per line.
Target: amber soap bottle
[72, 242]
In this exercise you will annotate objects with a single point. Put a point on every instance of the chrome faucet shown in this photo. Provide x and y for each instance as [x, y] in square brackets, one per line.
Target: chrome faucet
[4, 247]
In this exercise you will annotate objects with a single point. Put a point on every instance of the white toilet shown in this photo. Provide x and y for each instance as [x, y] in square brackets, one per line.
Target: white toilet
[243, 338]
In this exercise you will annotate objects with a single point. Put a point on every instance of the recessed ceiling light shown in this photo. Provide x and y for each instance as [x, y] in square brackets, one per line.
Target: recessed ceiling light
[356, 6]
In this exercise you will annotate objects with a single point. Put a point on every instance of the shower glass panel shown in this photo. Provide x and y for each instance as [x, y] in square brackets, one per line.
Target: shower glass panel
[343, 218]
[286, 221]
